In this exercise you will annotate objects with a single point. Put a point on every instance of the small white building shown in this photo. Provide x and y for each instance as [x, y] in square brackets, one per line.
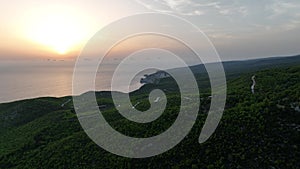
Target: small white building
[154, 78]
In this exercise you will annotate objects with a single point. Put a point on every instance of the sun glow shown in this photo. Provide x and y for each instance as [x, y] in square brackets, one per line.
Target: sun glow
[58, 29]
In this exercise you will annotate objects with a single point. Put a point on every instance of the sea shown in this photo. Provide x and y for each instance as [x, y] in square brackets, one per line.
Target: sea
[48, 78]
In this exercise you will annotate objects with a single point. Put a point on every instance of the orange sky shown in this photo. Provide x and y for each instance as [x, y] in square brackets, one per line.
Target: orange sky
[42, 29]
[45, 29]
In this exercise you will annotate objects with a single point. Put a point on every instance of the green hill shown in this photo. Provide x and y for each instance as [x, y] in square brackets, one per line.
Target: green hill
[258, 130]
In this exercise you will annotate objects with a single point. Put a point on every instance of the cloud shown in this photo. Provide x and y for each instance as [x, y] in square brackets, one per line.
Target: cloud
[233, 18]
[194, 7]
[291, 24]
[182, 7]
[284, 15]
[284, 8]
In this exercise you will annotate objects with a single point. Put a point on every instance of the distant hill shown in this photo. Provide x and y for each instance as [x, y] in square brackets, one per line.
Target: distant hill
[233, 69]
[253, 64]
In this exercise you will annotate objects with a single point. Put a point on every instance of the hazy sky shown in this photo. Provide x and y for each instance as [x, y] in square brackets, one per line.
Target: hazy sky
[239, 29]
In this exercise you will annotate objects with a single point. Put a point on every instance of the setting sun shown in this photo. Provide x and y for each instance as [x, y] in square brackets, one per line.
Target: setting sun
[58, 30]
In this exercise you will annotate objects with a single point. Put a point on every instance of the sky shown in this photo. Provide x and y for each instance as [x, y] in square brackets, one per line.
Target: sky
[32, 29]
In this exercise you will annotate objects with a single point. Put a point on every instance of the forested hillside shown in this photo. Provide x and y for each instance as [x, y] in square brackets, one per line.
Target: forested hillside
[260, 130]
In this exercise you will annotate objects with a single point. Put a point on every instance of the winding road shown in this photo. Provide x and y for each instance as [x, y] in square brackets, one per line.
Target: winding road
[253, 84]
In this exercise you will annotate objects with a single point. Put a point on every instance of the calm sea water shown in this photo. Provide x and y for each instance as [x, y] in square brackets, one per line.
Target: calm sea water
[23, 80]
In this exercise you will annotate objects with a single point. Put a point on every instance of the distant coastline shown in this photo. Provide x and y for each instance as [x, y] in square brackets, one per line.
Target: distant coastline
[28, 82]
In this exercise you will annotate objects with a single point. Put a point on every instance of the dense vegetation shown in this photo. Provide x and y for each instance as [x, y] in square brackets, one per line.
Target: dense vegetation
[258, 130]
